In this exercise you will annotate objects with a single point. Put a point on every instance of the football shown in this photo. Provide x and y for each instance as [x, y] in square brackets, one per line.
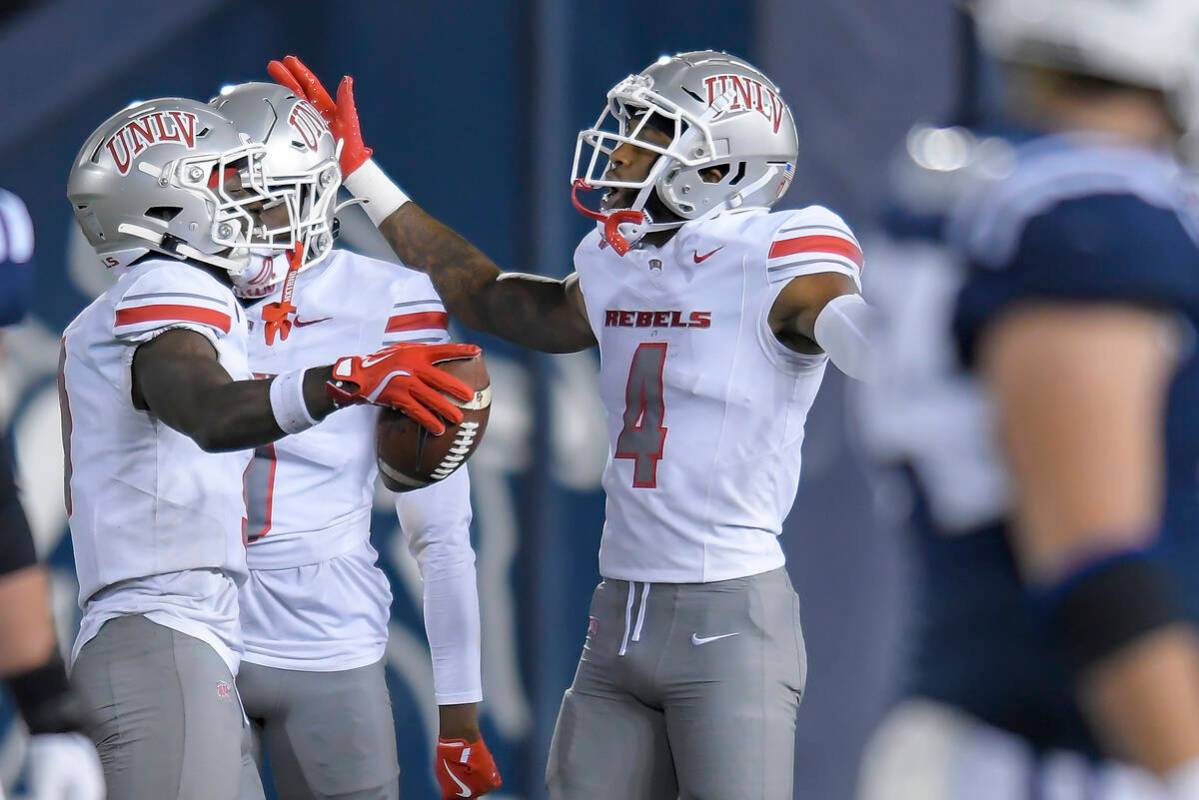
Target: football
[409, 457]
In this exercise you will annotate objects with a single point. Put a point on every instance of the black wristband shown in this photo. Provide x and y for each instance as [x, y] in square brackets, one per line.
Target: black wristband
[16, 542]
[45, 699]
[1107, 606]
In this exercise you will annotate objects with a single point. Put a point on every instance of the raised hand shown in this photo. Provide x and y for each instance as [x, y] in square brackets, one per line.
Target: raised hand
[341, 115]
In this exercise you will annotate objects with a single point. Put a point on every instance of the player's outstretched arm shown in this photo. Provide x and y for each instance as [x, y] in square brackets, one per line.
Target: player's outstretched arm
[177, 377]
[824, 311]
[1079, 396]
[529, 310]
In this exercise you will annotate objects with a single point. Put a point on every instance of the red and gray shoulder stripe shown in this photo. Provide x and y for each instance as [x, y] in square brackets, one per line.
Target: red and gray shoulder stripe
[142, 312]
[417, 321]
[16, 230]
[815, 244]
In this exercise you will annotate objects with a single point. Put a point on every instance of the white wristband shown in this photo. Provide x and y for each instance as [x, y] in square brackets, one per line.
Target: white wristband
[382, 196]
[287, 402]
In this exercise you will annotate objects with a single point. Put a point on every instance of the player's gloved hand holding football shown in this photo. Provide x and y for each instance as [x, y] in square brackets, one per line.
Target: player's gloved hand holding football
[465, 769]
[64, 766]
[405, 377]
[341, 115]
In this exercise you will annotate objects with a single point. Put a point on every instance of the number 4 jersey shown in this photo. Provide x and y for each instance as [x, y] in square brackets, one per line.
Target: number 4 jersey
[705, 406]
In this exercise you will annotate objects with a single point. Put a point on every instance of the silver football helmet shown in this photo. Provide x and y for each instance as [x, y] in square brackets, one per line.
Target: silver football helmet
[300, 173]
[722, 113]
[170, 176]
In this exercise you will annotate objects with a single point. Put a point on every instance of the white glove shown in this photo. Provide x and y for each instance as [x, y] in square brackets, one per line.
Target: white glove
[64, 766]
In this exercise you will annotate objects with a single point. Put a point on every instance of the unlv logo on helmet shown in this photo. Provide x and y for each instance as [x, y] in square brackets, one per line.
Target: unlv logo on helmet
[146, 130]
[747, 94]
[305, 119]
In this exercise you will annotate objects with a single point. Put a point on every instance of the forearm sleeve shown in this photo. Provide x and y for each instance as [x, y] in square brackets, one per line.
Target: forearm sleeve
[844, 329]
[436, 521]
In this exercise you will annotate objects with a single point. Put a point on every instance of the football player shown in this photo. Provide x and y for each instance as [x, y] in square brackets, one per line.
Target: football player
[62, 760]
[715, 319]
[160, 415]
[315, 609]
[1038, 388]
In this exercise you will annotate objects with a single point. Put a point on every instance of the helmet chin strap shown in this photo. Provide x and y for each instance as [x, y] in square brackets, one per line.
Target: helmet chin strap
[277, 315]
[178, 249]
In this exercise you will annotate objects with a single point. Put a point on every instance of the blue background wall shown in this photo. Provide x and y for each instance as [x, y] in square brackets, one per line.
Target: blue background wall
[473, 107]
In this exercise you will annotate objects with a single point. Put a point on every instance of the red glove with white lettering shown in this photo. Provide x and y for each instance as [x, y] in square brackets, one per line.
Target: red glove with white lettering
[341, 115]
[404, 377]
[465, 769]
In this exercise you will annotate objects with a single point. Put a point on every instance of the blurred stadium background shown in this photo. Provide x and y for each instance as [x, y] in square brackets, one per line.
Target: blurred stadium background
[473, 108]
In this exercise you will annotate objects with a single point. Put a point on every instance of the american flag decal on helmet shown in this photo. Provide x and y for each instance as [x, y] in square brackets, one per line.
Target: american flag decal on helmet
[788, 176]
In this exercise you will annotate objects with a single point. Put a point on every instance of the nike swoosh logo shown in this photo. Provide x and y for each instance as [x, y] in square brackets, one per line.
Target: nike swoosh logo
[697, 640]
[304, 323]
[370, 361]
[465, 789]
[701, 259]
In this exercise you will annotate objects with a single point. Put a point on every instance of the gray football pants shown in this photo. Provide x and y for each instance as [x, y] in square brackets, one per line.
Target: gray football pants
[328, 734]
[170, 725]
[684, 690]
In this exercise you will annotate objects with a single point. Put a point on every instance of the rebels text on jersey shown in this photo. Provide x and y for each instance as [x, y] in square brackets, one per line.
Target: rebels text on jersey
[705, 407]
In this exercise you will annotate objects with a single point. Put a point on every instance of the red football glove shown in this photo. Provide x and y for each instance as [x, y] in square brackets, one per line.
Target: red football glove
[404, 377]
[465, 769]
[342, 115]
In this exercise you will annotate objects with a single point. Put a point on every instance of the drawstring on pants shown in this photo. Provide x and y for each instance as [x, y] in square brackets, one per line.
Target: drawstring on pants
[628, 616]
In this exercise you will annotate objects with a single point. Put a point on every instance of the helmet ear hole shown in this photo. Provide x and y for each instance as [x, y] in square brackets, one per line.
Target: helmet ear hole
[715, 173]
[739, 174]
[163, 213]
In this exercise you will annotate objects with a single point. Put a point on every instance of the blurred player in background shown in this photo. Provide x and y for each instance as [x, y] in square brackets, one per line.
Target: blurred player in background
[159, 419]
[1039, 389]
[62, 761]
[315, 609]
[715, 320]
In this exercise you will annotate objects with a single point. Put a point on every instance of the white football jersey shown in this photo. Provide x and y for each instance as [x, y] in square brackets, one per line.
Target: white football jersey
[705, 406]
[157, 524]
[316, 600]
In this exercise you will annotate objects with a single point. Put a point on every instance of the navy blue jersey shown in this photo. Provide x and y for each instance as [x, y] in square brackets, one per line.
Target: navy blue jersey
[16, 253]
[16, 283]
[1057, 219]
